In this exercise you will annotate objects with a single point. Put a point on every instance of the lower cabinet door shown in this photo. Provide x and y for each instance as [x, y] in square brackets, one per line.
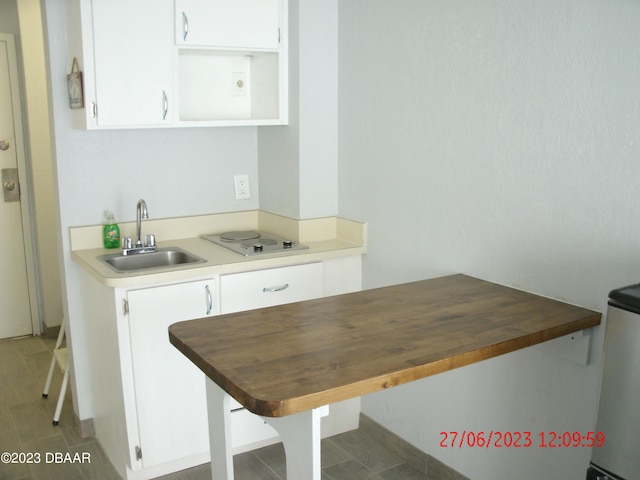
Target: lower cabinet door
[170, 392]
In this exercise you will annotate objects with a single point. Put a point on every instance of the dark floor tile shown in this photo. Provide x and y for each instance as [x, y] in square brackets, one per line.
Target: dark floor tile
[350, 470]
[332, 453]
[12, 347]
[33, 421]
[14, 469]
[98, 466]
[395, 444]
[38, 363]
[367, 451]
[56, 461]
[13, 367]
[403, 472]
[247, 466]
[273, 456]
[201, 472]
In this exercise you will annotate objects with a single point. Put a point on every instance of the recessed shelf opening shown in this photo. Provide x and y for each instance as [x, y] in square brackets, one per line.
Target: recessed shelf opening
[227, 85]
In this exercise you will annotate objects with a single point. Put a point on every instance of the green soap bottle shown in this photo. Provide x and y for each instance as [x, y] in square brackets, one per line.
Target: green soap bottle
[110, 231]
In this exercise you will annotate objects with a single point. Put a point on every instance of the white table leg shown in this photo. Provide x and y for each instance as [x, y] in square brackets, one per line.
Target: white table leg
[300, 434]
[219, 411]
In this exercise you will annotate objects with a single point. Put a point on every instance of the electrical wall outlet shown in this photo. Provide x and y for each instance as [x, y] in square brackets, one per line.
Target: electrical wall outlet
[241, 183]
[239, 84]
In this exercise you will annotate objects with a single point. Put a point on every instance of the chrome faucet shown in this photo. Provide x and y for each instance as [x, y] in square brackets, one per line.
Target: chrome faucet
[141, 213]
[149, 244]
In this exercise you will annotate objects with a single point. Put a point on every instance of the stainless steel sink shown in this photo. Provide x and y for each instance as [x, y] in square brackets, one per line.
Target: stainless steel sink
[164, 257]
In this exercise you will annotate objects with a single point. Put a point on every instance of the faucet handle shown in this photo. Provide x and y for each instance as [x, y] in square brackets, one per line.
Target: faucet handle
[126, 243]
[150, 240]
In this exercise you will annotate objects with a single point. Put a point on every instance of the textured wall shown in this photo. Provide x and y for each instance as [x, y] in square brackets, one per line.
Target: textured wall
[298, 163]
[500, 139]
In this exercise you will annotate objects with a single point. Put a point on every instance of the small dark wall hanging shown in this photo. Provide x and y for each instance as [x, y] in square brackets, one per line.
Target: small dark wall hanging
[74, 84]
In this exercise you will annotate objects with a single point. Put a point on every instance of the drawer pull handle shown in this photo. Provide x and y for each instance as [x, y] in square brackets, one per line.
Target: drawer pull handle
[165, 105]
[185, 26]
[209, 299]
[276, 289]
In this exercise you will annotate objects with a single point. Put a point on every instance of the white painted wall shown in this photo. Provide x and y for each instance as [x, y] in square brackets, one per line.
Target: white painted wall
[299, 163]
[501, 139]
[177, 171]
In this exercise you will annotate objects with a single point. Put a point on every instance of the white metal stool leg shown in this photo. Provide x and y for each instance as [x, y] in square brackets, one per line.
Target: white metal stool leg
[61, 358]
[47, 385]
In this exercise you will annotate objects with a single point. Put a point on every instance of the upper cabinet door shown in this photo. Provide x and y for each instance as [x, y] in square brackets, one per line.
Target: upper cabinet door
[243, 24]
[132, 46]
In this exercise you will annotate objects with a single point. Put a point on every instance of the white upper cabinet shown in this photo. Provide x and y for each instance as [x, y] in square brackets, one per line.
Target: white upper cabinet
[180, 63]
[231, 62]
[248, 24]
[133, 68]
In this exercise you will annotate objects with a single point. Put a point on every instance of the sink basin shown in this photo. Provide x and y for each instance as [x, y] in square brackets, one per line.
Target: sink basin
[164, 257]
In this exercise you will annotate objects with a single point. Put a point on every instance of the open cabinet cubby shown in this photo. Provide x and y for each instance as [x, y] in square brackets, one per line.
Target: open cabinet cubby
[226, 85]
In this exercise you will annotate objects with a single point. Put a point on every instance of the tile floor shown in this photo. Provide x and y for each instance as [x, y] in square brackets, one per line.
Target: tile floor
[25, 427]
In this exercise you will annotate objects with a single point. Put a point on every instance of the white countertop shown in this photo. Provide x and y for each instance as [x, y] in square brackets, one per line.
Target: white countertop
[219, 260]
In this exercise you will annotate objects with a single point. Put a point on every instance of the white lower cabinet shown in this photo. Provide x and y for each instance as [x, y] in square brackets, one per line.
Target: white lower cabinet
[169, 389]
[149, 400]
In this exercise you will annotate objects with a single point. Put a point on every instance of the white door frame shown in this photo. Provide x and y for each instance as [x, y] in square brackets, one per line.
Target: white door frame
[25, 185]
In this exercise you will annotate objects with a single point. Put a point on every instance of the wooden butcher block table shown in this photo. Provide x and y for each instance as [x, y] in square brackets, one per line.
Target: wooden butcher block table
[287, 363]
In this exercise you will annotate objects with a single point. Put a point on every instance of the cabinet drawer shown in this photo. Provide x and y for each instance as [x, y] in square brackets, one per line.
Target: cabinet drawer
[265, 288]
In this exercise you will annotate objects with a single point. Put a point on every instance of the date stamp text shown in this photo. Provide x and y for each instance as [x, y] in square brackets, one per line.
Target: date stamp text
[517, 439]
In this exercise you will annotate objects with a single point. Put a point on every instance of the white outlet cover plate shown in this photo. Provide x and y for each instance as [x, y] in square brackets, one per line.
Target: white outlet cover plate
[241, 184]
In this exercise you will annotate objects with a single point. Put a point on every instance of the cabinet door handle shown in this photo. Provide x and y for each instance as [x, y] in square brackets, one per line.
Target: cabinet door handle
[185, 26]
[279, 288]
[165, 105]
[209, 299]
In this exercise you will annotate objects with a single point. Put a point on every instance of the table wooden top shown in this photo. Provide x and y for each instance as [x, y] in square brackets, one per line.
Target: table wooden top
[282, 360]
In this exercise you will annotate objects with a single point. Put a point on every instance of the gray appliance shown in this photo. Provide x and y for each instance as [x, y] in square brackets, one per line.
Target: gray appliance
[619, 411]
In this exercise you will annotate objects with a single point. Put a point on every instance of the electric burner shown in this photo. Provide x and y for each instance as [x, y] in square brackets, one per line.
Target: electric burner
[253, 242]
